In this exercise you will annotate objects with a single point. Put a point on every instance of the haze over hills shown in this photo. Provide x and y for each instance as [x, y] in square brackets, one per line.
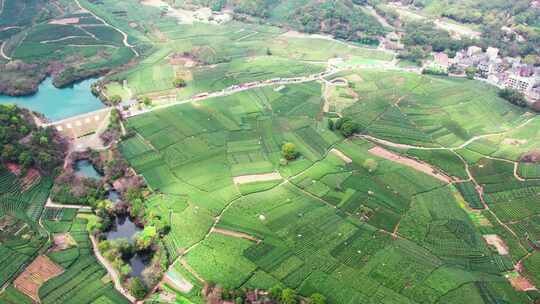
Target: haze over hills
[269, 151]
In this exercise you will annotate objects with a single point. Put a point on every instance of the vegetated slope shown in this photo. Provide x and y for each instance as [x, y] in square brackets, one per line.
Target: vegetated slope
[55, 38]
[344, 19]
[500, 21]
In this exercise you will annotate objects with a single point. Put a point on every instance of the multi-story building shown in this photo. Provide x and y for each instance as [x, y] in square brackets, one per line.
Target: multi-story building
[522, 84]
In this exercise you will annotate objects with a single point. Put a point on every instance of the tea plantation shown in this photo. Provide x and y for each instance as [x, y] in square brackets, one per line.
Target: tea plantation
[341, 219]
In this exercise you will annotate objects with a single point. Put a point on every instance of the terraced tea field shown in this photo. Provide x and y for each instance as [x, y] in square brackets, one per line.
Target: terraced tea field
[340, 219]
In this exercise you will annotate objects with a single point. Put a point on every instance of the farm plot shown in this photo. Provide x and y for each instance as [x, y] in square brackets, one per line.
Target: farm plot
[38, 272]
[21, 202]
[83, 278]
[351, 225]
[427, 111]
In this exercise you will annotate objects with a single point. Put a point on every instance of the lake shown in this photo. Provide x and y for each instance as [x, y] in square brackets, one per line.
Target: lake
[57, 104]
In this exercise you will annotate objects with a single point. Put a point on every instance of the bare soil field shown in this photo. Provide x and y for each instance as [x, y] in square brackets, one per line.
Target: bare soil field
[520, 283]
[419, 166]
[37, 273]
[497, 242]
[244, 179]
[65, 21]
[235, 234]
[62, 241]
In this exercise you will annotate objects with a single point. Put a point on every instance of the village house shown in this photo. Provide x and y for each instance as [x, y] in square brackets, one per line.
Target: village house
[441, 61]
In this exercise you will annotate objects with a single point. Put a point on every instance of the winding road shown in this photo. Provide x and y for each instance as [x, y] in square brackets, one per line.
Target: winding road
[2, 52]
[124, 34]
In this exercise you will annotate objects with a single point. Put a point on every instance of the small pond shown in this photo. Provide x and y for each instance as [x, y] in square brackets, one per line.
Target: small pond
[84, 168]
[113, 196]
[124, 228]
[56, 103]
[138, 263]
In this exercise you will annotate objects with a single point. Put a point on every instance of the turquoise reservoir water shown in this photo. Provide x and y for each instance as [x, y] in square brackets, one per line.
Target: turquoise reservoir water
[58, 104]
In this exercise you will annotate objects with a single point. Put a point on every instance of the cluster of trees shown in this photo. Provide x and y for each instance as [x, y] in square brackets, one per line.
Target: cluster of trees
[343, 19]
[492, 16]
[117, 252]
[422, 37]
[18, 78]
[147, 242]
[179, 83]
[344, 125]
[289, 296]
[23, 143]
[276, 295]
[72, 74]
[514, 97]
[289, 151]
[114, 130]
[70, 188]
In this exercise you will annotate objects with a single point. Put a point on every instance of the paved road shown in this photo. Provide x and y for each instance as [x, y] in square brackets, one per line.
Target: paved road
[263, 83]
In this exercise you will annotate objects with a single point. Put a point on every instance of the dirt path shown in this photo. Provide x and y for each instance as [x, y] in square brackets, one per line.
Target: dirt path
[3, 53]
[341, 155]
[236, 234]
[193, 272]
[244, 179]
[112, 272]
[61, 39]
[409, 162]
[51, 204]
[125, 40]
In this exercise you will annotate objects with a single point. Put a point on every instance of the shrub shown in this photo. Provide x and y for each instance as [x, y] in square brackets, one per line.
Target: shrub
[470, 72]
[514, 97]
[288, 296]
[288, 150]
[317, 298]
[137, 288]
[179, 83]
[115, 99]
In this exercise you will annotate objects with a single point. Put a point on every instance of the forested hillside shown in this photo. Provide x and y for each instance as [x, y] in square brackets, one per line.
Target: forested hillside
[345, 19]
[57, 38]
[512, 26]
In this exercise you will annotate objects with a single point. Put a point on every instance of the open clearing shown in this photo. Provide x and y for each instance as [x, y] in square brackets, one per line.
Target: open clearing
[419, 166]
[244, 179]
[497, 242]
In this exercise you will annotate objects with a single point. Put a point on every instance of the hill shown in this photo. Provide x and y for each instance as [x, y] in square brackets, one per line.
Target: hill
[344, 19]
[56, 38]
